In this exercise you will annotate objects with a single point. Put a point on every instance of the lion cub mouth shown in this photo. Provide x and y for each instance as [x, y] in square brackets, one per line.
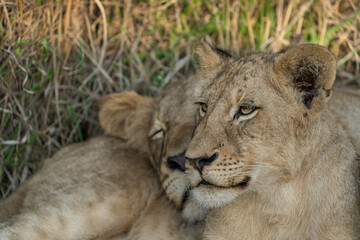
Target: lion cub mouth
[244, 183]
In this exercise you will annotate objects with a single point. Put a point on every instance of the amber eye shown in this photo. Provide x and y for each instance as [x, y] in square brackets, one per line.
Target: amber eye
[245, 110]
[203, 109]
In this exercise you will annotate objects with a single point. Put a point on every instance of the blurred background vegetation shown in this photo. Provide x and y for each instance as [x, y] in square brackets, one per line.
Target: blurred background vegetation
[57, 57]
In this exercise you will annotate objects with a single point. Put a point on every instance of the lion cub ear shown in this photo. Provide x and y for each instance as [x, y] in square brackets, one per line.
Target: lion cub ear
[128, 116]
[211, 57]
[310, 72]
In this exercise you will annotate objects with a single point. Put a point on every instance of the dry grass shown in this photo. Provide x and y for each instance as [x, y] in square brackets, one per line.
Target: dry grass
[58, 57]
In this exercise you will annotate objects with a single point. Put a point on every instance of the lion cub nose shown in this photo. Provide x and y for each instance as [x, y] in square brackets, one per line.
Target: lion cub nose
[177, 162]
[200, 162]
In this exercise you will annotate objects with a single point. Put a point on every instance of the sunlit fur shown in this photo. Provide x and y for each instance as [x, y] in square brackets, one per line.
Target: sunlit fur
[299, 164]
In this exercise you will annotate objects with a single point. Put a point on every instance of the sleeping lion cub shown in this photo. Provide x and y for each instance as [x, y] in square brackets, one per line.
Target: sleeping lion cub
[106, 188]
[267, 151]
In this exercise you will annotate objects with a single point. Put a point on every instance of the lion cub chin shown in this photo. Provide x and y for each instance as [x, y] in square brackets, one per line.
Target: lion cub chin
[268, 153]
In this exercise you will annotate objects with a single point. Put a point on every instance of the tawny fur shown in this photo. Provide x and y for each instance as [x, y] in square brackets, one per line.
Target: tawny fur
[288, 170]
[128, 116]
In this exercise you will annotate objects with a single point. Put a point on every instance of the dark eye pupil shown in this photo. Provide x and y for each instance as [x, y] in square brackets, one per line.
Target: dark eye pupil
[203, 107]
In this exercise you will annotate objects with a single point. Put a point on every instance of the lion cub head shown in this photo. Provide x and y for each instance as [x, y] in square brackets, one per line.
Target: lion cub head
[161, 127]
[254, 120]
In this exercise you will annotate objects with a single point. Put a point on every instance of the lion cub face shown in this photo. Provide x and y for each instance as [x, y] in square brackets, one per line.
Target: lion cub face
[161, 127]
[171, 128]
[250, 121]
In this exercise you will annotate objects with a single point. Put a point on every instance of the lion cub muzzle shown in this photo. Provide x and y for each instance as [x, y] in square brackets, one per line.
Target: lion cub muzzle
[211, 172]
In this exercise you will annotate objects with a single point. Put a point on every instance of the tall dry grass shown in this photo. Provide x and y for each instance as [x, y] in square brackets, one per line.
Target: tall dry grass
[58, 57]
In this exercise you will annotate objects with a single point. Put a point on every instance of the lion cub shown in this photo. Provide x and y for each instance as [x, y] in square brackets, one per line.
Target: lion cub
[268, 153]
[106, 188]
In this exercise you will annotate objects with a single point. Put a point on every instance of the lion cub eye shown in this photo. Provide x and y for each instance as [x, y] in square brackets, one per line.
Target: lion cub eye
[203, 109]
[159, 134]
[245, 110]
[157, 130]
